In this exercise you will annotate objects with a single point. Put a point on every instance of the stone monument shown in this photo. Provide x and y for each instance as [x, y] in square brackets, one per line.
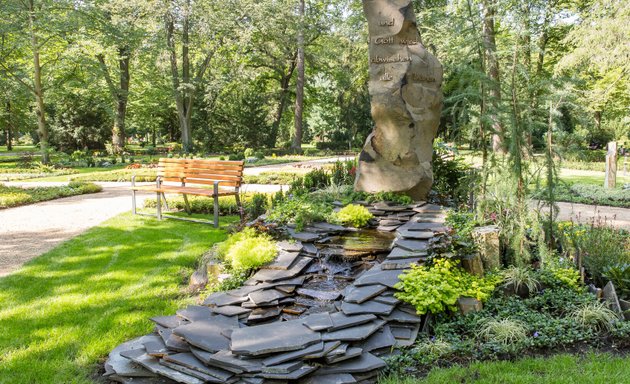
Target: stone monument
[406, 100]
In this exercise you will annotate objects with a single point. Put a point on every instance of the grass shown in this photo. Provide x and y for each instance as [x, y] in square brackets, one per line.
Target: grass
[560, 369]
[15, 196]
[63, 312]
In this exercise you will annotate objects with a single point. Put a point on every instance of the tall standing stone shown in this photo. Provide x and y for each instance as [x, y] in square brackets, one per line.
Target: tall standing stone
[610, 180]
[406, 98]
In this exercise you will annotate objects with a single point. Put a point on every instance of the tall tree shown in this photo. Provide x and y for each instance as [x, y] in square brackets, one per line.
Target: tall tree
[299, 86]
[492, 69]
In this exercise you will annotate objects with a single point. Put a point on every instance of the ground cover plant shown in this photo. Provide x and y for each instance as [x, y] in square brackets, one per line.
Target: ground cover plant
[15, 196]
[63, 312]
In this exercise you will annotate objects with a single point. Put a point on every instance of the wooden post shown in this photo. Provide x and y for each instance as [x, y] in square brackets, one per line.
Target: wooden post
[610, 181]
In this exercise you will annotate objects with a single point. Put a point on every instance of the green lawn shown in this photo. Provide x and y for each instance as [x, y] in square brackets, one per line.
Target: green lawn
[63, 312]
[592, 369]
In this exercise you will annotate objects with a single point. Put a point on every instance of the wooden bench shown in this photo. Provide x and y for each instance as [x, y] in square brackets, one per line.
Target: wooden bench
[193, 177]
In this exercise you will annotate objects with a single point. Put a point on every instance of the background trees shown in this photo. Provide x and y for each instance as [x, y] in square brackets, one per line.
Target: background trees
[211, 75]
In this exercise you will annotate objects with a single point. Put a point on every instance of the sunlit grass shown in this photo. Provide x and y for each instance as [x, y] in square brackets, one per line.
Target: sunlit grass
[63, 312]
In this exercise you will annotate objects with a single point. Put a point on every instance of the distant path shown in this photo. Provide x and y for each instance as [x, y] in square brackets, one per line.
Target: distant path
[317, 163]
[585, 214]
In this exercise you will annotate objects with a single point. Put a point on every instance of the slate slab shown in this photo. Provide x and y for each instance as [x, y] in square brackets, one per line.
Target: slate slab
[329, 227]
[194, 313]
[383, 338]
[290, 246]
[338, 378]
[172, 341]
[284, 260]
[310, 248]
[283, 368]
[220, 299]
[400, 263]
[359, 295]
[271, 275]
[156, 348]
[229, 361]
[400, 253]
[365, 362]
[420, 226]
[125, 367]
[191, 372]
[414, 235]
[189, 360]
[206, 334]
[318, 321]
[328, 347]
[230, 310]
[295, 375]
[153, 365]
[294, 355]
[412, 245]
[266, 296]
[273, 338]
[371, 306]
[263, 314]
[356, 333]
[349, 354]
[376, 275]
[341, 321]
[319, 295]
[168, 321]
[405, 336]
[385, 299]
[305, 237]
[387, 228]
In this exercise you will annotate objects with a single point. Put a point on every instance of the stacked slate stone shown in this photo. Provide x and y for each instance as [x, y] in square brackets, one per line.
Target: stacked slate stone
[286, 324]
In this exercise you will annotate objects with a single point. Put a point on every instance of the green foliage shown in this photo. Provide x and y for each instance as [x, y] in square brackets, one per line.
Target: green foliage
[14, 196]
[274, 178]
[249, 152]
[257, 205]
[452, 177]
[436, 288]
[247, 250]
[356, 215]
[558, 277]
[520, 279]
[343, 173]
[299, 210]
[504, 331]
[119, 175]
[595, 315]
[619, 274]
[205, 205]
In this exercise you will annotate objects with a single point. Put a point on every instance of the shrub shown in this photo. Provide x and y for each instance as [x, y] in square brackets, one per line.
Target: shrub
[595, 315]
[356, 215]
[505, 331]
[257, 205]
[247, 250]
[619, 274]
[248, 152]
[236, 157]
[259, 155]
[436, 288]
[451, 183]
[521, 279]
[298, 210]
[343, 173]
[558, 277]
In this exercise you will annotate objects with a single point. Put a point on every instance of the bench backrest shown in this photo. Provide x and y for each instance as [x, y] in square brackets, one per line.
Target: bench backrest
[195, 171]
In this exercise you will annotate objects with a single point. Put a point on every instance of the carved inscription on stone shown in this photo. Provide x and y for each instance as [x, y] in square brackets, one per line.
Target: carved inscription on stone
[406, 99]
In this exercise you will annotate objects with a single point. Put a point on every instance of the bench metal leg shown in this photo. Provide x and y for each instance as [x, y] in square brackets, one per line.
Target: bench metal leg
[186, 204]
[216, 210]
[165, 202]
[159, 205]
[239, 205]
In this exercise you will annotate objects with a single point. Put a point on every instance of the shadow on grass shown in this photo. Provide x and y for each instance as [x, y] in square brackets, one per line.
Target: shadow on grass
[64, 311]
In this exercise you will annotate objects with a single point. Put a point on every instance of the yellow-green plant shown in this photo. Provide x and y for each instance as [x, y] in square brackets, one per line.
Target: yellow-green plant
[356, 215]
[504, 331]
[436, 288]
[594, 315]
[247, 249]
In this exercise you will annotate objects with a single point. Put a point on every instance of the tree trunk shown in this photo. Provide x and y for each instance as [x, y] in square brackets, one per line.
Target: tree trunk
[122, 95]
[299, 91]
[9, 127]
[38, 90]
[282, 103]
[187, 93]
[492, 67]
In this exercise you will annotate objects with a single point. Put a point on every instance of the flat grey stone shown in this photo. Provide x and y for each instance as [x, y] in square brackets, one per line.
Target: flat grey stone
[206, 334]
[400, 263]
[356, 333]
[414, 235]
[195, 312]
[429, 208]
[383, 338]
[126, 367]
[273, 338]
[390, 222]
[350, 353]
[283, 368]
[220, 299]
[377, 276]
[318, 321]
[156, 348]
[305, 237]
[294, 355]
[320, 295]
[190, 372]
[290, 246]
[310, 248]
[337, 378]
[295, 375]
[403, 317]
[412, 245]
[359, 295]
[400, 253]
[423, 226]
[140, 380]
[284, 260]
[387, 228]
[405, 336]
[371, 306]
[172, 341]
[262, 314]
[251, 305]
[153, 365]
[230, 310]
[341, 321]
[271, 275]
[329, 227]
[328, 347]
[288, 289]
[390, 300]
[266, 296]
[168, 321]
[340, 350]
[189, 360]
[229, 361]
[365, 362]
[610, 296]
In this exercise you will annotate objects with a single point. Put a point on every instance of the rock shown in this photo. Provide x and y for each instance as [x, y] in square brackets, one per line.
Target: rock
[356, 333]
[152, 364]
[271, 275]
[467, 305]
[486, 240]
[610, 296]
[318, 322]
[273, 338]
[400, 253]
[403, 317]
[156, 348]
[230, 310]
[195, 312]
[220, 299]
[377, 276]
[284, 260]
[372, 307]
[406, 100]
[319, 295]
[359, 295]
[473, 264]
[283, 368]
[405, 335]
[264, 297]
[190, 361]
[125, 367]
[295, 375]
[400, 263]
[289, 246]
[230, 362]
[294, 355]
[625, 307]
[206, 334]
[389, 300]
[349, 354]
[341, 321]
[365, 362]
[310, 249]
[263, 314]
[379, 340]
[168, 321]
[306, 237]
[190, 372]
[414, 235]
[412, 245]
[172, 341]
[338, 378]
